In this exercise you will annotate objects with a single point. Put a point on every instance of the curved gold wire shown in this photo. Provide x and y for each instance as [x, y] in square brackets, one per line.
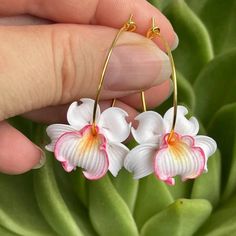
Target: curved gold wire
[128, 26]
[143, 101]
[152, 33]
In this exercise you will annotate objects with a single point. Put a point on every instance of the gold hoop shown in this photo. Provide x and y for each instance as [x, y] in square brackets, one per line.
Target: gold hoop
[128, 26]
[152, 33]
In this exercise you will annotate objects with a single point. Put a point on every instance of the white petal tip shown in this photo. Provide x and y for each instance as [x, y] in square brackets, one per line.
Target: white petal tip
[49, 148]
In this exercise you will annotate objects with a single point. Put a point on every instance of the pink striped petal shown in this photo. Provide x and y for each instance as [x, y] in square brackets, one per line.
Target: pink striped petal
[54, 132]
[83, 149]
[81, 114]
[178, 156]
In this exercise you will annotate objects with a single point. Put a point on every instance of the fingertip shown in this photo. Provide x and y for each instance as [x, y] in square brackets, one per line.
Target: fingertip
[175, 42]
[18, 154]
[153, 96]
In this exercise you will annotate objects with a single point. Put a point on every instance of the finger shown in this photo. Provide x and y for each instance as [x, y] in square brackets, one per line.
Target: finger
[153, 96]
[18, 154]
[112, 13]
[57, 114]
[132, 113]
[23, 20]
[55, 64]
[49, 115]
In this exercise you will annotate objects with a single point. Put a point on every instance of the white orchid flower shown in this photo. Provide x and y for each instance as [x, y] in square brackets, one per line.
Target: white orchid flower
[184, 154]
[95, 149]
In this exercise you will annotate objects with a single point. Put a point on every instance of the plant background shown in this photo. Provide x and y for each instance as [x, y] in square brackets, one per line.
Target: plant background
[51, 202]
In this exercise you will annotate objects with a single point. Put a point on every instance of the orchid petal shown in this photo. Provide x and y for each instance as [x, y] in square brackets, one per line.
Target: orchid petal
[140, 160]
[150, 128]
[83, 149]
[114, 125]
[80, 115]
[180, 157]
[54, 132]
[116, 155]
[207, 144]
[183, 125]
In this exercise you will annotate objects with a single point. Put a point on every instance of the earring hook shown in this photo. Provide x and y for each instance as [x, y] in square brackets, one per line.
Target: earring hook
[152, 33]
[128, 26]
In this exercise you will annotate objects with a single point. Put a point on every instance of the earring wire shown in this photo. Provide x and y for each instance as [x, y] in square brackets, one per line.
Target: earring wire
[152, 33]
[128, 26]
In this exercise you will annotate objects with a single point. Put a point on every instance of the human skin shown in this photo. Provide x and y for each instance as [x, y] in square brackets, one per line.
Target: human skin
[51, 54]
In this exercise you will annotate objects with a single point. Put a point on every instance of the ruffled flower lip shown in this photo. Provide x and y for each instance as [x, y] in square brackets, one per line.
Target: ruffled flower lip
[85, 143]
[178, 155]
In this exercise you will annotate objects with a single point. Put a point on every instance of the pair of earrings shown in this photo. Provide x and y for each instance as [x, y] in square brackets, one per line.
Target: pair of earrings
[168, 146]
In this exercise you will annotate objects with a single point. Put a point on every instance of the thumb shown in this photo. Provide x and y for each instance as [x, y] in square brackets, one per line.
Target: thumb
[56, 64]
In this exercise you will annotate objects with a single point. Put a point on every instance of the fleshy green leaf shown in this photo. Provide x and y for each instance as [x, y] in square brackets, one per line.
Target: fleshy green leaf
[223, 130]
[19, 212]
[160, 4]
[215, 86]
[76, 208]
[195, 47]
[79, 185]
[5, 232]
[219, 18]
[222, 222]
[22, 124]
[109, 213]
[153, 196]
[186, 95]
[127, 187]
[52, 203]
[196, 6]
[207, 186]
[183, 217]
[181, 189]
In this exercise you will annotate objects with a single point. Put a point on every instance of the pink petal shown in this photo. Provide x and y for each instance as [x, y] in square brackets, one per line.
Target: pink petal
[67, 166]
[83, 149]
[178, 156]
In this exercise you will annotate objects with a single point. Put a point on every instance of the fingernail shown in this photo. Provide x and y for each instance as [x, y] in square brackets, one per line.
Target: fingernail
[137, 66]
[165, 71]
[175, 42]
[42, 160]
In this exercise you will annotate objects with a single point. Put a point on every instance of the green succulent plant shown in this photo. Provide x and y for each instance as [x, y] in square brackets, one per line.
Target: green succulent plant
[50, 202]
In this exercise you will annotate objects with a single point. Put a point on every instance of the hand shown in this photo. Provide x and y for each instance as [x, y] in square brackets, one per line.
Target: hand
[55, 56]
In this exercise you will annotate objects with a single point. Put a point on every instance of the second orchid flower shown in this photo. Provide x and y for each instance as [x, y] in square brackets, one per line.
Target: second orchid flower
[184, 153]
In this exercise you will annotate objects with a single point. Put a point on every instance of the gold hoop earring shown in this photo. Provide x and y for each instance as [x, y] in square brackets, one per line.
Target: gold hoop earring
[92, 140]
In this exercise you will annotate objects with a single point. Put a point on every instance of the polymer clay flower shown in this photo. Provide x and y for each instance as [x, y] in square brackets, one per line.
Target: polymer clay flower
[96, 149]
[182, 153]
